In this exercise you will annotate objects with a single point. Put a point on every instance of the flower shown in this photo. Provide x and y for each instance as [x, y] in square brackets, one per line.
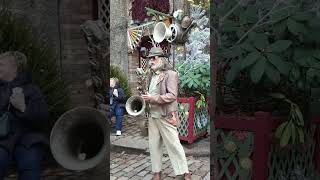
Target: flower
[246, 163]
[230, 146]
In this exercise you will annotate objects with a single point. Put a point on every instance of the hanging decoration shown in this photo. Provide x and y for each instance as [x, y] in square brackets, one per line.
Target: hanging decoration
[134, 36]
[139, 15]
[174, 33]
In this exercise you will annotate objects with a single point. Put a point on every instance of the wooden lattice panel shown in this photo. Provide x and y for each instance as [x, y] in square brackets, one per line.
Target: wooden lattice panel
[104, 12]
[233, 148]
[144, 63]
[201, 121]
[294, 161]
[183, 114]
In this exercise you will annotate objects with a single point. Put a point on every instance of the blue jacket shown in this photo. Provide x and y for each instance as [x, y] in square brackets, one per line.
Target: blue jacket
[117, 101]
[25, 127]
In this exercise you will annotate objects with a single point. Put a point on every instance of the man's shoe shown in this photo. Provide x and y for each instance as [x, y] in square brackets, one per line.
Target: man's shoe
[118, 133]
[187, 176]
[157, 176]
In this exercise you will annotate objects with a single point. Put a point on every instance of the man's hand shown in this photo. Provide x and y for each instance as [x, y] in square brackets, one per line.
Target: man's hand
[147, 97]
[115, 92]
[17, 99]
[173, 120]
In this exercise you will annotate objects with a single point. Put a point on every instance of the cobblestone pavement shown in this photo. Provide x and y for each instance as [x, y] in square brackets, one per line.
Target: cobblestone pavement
[131, 138]
[129, 128]
[125, 165]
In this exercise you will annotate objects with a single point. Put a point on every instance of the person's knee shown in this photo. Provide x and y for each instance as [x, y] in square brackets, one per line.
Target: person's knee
[4, 158]
[28, 158]
[119, 111]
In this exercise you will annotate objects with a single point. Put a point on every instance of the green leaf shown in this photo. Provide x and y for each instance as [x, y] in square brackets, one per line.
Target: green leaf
[279, 29]
[313, 73]
[280, 129]
[272, 73]
[233, 72]
[258, 70]
[250, 59]
[278, 63]
[241, 31]
[197, 81]
[295, 27]
[197, 76]
[183, 83]
[293, 133]
[280, 15]
[250, 15]
[195, 85]
[279, 46]
[260, 40]
[278, 95]
[312, 62]
[247, 46]
[316, 54]
[302, 16]
[229, 53]
[300, 53]
[284, 140]
[244, 174]
[301, 135]
[190, 84]
[229, 26]
[299, 116]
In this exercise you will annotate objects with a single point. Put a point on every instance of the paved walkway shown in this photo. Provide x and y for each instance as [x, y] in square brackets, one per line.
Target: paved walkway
[131, 139]
[130, 156]
[125, 165]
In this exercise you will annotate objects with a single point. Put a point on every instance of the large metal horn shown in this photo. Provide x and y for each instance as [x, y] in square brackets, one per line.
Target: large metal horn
[135, 105]
[79, 139]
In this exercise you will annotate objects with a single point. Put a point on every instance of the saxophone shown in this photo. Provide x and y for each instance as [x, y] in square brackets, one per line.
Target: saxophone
[136, 105]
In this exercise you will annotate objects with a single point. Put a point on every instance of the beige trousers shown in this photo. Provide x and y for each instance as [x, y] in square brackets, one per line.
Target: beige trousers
[161, 132]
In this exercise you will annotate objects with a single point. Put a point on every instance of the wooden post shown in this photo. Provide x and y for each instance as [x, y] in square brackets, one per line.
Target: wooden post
[261, 145]
[191, 119]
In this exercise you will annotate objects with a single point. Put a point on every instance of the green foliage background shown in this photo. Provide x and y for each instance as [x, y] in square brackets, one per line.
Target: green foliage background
[269, 46]
[194, 79]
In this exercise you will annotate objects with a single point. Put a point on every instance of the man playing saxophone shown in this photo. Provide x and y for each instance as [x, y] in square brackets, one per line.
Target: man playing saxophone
[162, 127]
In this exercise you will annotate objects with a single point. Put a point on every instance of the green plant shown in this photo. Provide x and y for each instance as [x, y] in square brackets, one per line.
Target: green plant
[123, 81]
[16, 35]
[291, 131]
[194, 78]
[275, 45]
[201, 103]
[267, 46]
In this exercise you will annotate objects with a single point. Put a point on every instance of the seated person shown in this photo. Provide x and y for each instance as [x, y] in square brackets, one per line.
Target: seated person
[28, 111]
[117, 106]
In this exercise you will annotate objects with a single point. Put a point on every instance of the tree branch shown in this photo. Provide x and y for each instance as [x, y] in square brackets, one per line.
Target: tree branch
[260, 20]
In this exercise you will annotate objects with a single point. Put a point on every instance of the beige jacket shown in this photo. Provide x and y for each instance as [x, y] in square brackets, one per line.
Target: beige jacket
[168, 88]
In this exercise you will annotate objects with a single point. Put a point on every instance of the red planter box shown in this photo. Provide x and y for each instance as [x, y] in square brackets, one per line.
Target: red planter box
[262, 125]
[189, 127]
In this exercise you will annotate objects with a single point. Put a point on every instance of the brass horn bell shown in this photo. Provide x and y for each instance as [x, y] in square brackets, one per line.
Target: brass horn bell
[135, 105]
[79, 139]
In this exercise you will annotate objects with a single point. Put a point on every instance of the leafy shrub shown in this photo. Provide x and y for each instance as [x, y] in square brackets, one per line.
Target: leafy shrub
[267, 47]
[270, 45]
[16, 35]
[194, 80]
[123, 81]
